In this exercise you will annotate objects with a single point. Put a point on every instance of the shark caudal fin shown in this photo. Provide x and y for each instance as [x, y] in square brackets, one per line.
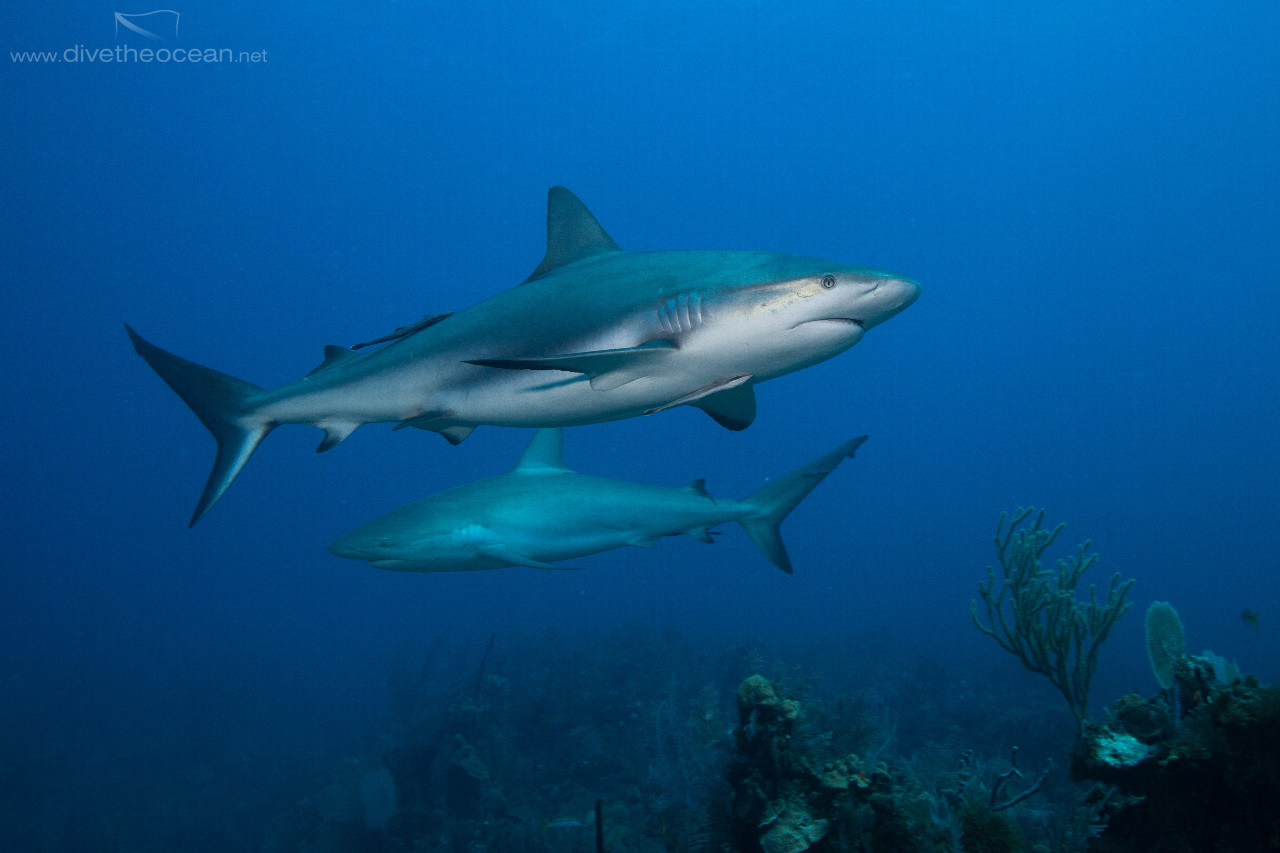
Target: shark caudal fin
[778, 498]
[221, 402]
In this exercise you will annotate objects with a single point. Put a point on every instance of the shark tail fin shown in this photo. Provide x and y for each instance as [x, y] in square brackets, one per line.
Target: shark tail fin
[223, 404]
[776, 500]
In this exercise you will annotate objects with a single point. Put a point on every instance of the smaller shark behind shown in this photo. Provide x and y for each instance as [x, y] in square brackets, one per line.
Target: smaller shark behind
[542, 512]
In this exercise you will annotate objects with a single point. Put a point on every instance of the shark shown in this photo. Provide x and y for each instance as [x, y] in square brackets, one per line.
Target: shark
[542, 512]
[594, 334]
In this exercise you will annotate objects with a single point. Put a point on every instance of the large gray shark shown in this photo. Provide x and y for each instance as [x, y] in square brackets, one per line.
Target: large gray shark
[542, 512]
[594, 334]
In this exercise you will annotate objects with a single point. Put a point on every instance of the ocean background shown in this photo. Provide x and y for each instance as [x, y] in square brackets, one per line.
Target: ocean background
[1088, 192]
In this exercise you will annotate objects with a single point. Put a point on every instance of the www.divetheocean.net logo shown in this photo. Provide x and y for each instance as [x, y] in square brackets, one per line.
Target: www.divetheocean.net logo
[142, 37]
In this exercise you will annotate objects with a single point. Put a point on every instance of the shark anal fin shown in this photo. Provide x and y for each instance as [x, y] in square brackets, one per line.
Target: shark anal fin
[608, 369]
[573, 233]
[515, 558]
[739, 403]
[704, 534]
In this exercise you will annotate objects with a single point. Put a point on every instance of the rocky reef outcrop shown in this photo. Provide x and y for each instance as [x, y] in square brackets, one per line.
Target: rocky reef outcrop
[1194, 768]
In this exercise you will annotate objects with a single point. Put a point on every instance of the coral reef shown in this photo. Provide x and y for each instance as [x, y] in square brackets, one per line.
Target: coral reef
[1045, 627]
[686, 755]
[1166, 641]
[1207, 781]
[787, 800]
[574, 749]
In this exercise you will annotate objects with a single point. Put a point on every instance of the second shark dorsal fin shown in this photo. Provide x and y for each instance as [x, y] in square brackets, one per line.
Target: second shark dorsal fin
[545, 453]
[573, 233]
[333, 355]
[698, 487]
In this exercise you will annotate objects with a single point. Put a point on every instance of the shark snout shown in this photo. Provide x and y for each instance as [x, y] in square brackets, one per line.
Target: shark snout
[888, 297]
[354, 548]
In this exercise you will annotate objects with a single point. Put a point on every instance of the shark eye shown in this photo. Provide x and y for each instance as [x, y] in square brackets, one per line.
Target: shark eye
[828, 281]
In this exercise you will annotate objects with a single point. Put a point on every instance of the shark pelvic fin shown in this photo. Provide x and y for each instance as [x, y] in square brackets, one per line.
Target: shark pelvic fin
[335, 432]
[545, 453]
[455, 434]
[223, 404]
[775, 501]
[607, 368]
[573, 233]
[727, 403]
[515, 558]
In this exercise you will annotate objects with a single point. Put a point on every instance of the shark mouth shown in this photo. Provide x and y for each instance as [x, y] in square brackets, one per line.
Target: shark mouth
[845, 320]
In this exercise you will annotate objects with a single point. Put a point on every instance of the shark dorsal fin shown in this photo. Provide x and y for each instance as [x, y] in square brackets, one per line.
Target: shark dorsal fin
[545, 453]
[698, 487]
[572, 233]
[333, 355]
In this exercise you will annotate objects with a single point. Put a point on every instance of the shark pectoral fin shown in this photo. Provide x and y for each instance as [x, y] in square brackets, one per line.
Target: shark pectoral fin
[515, 558]
[333, 356]
[608, 369]
[644, 541]
[732, 405]
[334, 434]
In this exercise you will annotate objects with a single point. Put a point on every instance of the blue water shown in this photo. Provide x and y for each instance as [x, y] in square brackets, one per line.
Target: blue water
[1088, 194]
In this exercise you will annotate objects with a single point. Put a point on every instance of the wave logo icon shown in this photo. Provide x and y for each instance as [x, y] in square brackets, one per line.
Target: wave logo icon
[160, 25]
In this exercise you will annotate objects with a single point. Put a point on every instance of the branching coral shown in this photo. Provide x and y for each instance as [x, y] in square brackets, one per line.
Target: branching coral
[1033, 613]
